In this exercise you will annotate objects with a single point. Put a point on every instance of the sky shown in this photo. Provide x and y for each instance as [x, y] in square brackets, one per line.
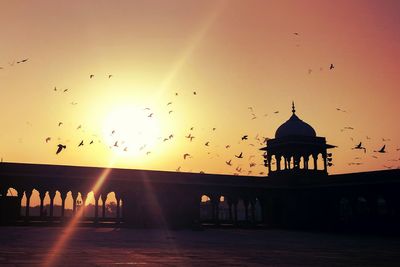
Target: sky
[212, 60]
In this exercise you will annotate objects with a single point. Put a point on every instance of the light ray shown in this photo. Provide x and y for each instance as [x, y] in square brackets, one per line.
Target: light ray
[62, 241]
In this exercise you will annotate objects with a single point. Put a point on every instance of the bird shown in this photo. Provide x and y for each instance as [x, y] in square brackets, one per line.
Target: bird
[150, 115]
[331, 67]
[245, 137]
[382, 150]
[169, 112]
[214, 128]
[80, 144]
[60, 148]
[178, 169]
[109, 76]
[309, 71]
[191, 128]
[48, 139]
[116, 144]
[65, 90]
[359, 146]
[170, 136]
[207, 143]
[238, 169]
[79, 126]
[148, 153]
[74, 103]
[252, 164]
[385, 140]
[113, 132]
[91, 142]
[240, 156]
[186, 155]
[348, 128]
[375, 157]
[176, 94]
[60, 123]
[227, 146]
[169, 103]
[165, 139]
[91, 76]
[126, 149]
[229, 162]
[55, 88]
[22, 61]
[194, 92]
[276, 112]
[296, 33]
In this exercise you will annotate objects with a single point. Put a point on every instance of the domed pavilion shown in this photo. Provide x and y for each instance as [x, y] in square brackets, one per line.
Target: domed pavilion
[295, 143]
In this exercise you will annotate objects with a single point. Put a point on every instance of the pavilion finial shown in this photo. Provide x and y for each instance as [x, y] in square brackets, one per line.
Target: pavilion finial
[293, 108]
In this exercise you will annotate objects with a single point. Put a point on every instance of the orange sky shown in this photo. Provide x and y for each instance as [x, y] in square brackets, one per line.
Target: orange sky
[234, 54]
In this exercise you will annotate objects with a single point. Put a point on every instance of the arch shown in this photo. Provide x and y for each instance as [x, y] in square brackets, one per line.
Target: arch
[57, 204]
[79, 204]
[111, 205]
[241, 210]
[223, 209]
[12, 192]
[69, 202]
[46, 205]
[89, 205]
[258, 210]
[345, 209]
[381, 206]
[362, 206]
[206, 210]
[34, 204]
[320, 162]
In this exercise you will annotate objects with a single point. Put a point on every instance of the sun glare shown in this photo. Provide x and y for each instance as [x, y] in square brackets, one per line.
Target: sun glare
[130, 130]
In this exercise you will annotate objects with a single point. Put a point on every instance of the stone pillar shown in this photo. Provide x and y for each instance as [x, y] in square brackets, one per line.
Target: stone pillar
[325, 163]
[235, 213]
[42, 195]
[118, 208]
[246, 209]
[96, 208]
[269, 162]
[103, 211]
[63, 197]
[315, 158]
[28, 194]
[306, 163]
[215, 209]
[74, 198]
[20, 196]
[278, 162]
[84, 197]
[230, 210]
[52, 194]
[253, 211]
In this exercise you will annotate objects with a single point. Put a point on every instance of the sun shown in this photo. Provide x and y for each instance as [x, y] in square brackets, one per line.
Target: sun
[131, 130]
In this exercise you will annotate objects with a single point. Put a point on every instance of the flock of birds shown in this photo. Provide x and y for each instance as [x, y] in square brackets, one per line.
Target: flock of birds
[261, 141]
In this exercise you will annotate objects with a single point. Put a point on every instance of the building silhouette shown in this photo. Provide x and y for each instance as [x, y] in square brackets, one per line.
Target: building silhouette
[297, 193]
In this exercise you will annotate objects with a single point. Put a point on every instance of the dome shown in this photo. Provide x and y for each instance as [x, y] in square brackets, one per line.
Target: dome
[295, 127]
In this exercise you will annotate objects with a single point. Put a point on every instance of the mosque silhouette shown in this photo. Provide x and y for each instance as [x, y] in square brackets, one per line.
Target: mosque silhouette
[297, 193]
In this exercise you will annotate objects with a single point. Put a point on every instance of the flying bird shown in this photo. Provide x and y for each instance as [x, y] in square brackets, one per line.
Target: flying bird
[169, 103]
[91, 142]
[169, 112]
[194, 93]
[245, 137]
[359, 146]
[48, 139]
[80, 144]
[22, 61]
[229, 162]
[240, 156]
[207, 143]
[55, 88]
[382, 150]
[150, 115]
[126, 149]
[331, 67]
[276, 112]
[65, 90]
[60, 123]
[186, 155]
[214, 128]
[60, 148]
[91, 76]
[116, 144]
[109, 76]
[227, 146]
[296, 33]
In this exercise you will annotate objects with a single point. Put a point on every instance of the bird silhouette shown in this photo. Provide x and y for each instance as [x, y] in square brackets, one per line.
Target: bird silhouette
[252, 164]
[214, 128]
[48, 139]
[276, 112]
[194, 93]
[60, 123]
[178, 169]
[150, 115]
[55, 88]
[296, 33]
[245, 137]
[207, 143]
[240, 156]
[382, 150]
[227, 146]
[359, 146]
[186, 155]
[331, 67]
[229, 162]
[91, 142]
[80, 144]
[170, 136]
[109, 76]
[22, 61]
[169, 103]
[116, 144]
[79, 126]
[65, 90]
[60, 148]
[91, 76]
[169, 112]
[126, 149]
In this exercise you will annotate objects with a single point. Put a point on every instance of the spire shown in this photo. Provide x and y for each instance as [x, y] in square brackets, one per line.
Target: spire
[293, 109]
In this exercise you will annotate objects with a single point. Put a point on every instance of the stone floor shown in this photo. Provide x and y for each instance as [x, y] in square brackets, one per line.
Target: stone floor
[36, 246]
